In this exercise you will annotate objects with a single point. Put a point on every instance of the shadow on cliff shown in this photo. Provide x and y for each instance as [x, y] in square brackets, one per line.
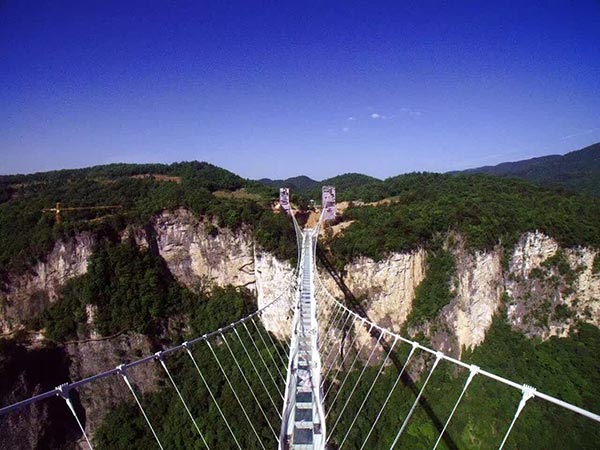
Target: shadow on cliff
[48, 424]
[354, 304]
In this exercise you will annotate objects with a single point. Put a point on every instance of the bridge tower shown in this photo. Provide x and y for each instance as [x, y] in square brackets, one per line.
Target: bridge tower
[303, 418]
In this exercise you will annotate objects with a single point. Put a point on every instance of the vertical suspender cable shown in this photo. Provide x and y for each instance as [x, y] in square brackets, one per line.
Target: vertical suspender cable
[189, 352]
[235, 394]
[387, 399]
[474, 370]
[64, 393]
[357, 381]
[161, 359]
[258, 375]
[330, 362]
[249, 386]
[414, 406]
[337, 371]
[358, 411]
[267, 347]
[348, 373]
[121, 369]
[528, 392]
[263, 361]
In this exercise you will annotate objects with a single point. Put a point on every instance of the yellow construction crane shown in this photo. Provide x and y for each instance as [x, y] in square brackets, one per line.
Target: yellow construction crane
[58, 209]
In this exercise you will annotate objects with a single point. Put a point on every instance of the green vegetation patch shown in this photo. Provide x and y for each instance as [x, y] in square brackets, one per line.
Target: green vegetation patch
[486, 210]
[596, 264]
[125, 428]
[142, 191]
[434, 291]
[567, 368]
[130, 287]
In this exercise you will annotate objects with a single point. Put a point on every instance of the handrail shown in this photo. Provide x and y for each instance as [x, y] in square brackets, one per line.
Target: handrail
[59, 390]
[485, 373]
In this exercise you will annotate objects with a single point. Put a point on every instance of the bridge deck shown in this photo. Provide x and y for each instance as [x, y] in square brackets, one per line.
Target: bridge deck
[302, 426]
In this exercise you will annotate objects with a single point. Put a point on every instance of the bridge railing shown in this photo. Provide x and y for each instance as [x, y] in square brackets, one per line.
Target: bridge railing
[343, 319]
[244, 335]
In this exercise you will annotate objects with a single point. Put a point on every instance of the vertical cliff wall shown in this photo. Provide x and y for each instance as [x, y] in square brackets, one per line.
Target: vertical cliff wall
[545, 290]
[198, 252]
[24, 296]
[549, 289]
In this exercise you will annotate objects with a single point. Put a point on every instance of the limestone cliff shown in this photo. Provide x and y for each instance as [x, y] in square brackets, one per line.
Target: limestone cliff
[90, 357]
[274, 280]
[477, 293]
[550, 288]
[387, 286]
[24, 296]
[196, 251]
[544, 294]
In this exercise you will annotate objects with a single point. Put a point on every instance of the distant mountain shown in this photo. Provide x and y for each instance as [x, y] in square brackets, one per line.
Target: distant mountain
[300, 183]
[577, 171]
[349, 180]
[345, 183]
[196, 173]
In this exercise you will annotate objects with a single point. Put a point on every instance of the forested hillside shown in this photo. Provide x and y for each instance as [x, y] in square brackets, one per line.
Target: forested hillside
[300, 183]
[486, 210]
[142, 190]
[577, 171]
[131, 291]
[307, 188]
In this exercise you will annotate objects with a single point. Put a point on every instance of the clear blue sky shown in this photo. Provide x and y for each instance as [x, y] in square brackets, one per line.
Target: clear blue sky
[276, 89]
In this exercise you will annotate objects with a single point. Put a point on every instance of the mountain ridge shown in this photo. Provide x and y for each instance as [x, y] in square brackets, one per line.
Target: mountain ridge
[577, 171]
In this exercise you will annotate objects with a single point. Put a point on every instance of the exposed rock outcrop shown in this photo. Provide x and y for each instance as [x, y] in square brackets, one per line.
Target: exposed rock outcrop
[95, 356]
[477, 296]
[273, 284]
[544, 294]
[387, 286]
[24, 296]
[197, 252]
[549, 289]
[531, 250]
[386, 290]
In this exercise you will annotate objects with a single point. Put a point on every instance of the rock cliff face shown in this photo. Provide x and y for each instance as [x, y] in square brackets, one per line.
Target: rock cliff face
[387, 286]
[386, 289]
[542, 299]
[197, 252]
[24, 296]
[95, 356]
[274, 281]
[477, 294]
[550, 288]
[544, 288]
[538, 302]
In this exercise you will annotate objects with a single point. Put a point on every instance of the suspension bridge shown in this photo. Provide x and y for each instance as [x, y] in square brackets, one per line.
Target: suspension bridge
[318, 388]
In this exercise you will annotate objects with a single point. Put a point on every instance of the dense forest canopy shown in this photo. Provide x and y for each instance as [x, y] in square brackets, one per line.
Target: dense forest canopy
[577, 171]
[486, 210]
[143, 190]
[132, 290]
